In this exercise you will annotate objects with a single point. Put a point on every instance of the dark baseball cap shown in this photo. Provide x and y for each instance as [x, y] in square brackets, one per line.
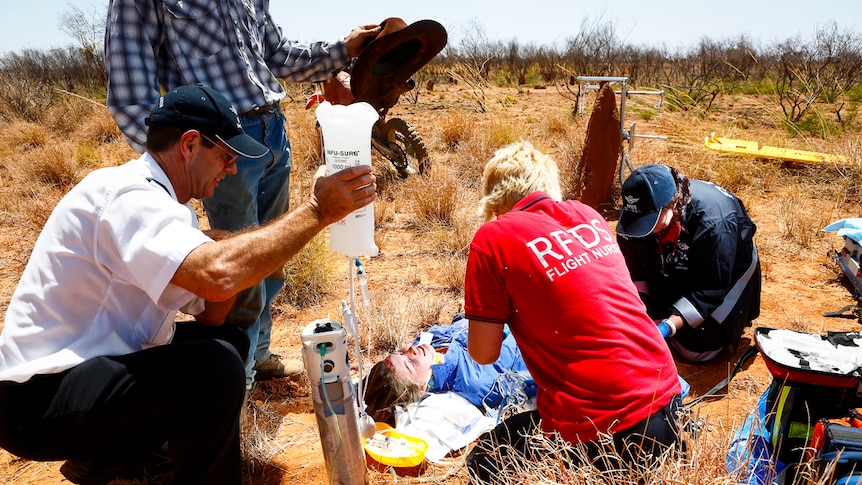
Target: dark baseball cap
[647, 190]
[198, 107]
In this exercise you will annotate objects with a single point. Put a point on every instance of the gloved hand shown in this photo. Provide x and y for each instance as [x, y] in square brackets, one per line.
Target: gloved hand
[666, 329]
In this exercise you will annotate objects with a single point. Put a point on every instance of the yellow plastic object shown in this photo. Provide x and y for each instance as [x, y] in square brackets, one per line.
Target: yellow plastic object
[752, 148]
[391, 448]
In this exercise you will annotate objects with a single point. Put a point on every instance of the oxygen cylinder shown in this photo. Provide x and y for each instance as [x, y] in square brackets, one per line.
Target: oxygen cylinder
[324, 351]
[347, 143]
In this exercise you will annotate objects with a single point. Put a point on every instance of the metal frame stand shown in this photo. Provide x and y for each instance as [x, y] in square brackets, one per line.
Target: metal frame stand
[594, 83]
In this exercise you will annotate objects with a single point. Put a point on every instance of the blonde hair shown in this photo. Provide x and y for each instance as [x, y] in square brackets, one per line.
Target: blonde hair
[514, 172]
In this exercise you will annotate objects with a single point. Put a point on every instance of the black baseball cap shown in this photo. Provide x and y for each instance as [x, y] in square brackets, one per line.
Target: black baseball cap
[647, 190]
[198, 107]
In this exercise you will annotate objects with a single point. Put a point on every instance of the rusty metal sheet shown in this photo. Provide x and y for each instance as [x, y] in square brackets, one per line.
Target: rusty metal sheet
[601, 153]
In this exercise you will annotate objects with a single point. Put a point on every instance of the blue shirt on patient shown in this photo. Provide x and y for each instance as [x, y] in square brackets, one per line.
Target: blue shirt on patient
[459, 373]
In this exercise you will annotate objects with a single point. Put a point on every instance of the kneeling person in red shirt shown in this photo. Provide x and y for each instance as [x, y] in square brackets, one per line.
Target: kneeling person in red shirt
[552, 270]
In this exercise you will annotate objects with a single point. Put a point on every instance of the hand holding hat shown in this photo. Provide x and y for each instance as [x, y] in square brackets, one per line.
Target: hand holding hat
[359, 37]
[388, 61]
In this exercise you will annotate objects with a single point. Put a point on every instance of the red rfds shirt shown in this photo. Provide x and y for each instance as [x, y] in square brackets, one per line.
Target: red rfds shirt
[554, 273]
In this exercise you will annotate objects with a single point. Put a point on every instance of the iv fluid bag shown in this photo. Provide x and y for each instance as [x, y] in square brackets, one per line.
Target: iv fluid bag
[347, 143]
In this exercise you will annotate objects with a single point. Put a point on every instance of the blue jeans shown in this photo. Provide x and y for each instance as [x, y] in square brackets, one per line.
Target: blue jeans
[255, 195]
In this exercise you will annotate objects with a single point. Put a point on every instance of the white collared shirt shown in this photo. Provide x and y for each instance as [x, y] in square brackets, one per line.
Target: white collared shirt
[98, 279]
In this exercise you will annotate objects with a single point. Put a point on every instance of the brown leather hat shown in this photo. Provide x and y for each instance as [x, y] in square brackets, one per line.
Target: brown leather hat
[388, 61]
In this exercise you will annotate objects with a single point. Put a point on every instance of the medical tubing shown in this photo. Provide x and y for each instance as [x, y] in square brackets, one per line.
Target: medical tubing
[363, 282]
[355, 328]
[511, 387]
[348, 310]
[322, 348]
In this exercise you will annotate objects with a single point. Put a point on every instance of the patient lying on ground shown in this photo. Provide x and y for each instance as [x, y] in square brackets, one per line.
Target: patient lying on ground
[443, 365]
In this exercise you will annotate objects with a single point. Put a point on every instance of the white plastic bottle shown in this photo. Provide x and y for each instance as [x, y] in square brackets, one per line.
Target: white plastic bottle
[347, 143]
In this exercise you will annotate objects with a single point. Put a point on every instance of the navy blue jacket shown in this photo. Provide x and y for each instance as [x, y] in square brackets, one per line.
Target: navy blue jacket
[710, 275]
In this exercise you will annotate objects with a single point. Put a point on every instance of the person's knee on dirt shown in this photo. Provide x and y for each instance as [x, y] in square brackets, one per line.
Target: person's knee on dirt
[507, 442]
[689, 246]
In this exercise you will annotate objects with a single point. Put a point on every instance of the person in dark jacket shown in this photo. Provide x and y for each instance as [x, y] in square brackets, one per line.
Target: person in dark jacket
[689, 247]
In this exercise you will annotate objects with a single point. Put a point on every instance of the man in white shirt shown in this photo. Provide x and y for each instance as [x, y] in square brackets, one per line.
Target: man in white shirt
[93, 368]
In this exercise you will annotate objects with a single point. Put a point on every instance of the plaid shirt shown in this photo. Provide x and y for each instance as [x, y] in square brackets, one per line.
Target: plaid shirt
[232, 46]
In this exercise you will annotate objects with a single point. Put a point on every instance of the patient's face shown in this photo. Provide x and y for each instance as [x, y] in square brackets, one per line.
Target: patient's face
[413, 363]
